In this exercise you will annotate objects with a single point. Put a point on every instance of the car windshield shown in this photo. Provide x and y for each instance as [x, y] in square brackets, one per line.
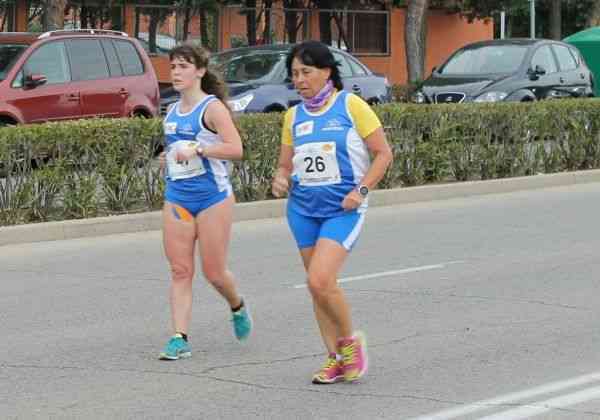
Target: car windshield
[488, 59]
[8, 56]
[247, 67]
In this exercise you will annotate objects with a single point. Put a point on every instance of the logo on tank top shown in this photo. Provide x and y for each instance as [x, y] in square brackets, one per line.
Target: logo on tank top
[170, 128]
[188, 129]
[305, 128]
[333, 125]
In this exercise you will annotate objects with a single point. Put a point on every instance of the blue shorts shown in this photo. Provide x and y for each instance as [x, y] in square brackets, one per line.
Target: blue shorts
[188, 209]
[343, 229]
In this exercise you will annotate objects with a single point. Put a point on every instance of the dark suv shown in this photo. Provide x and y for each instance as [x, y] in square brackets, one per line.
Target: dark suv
[509, 70]
[63, 75]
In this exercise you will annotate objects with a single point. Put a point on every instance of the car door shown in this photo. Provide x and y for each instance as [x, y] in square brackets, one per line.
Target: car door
[572, 85]
[101, 95]
[546, 85]
[57, 98]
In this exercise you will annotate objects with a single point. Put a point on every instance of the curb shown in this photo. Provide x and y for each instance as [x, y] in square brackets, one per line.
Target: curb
[100, 226]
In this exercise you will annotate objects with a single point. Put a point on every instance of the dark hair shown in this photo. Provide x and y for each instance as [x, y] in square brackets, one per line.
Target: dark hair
[198, 56]
[316, 54]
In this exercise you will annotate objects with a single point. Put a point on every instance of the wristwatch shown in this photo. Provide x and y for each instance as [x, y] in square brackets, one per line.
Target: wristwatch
[363, 190]
[199, 151]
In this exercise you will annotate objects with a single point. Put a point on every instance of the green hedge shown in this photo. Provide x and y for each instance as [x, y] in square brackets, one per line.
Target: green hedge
[89, 168]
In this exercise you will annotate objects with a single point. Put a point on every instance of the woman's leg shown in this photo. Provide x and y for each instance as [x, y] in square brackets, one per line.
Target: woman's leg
[328, 330]
[331, 307]
[179, 237]
[213, 230]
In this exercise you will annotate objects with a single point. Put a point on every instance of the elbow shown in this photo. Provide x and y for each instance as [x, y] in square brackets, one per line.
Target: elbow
[238, 153]
[387, 157]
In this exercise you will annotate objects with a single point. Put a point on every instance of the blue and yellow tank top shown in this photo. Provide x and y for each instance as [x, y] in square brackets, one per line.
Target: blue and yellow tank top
[330, 156]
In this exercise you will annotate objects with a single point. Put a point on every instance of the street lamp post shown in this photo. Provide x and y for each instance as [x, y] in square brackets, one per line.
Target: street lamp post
[532, 18]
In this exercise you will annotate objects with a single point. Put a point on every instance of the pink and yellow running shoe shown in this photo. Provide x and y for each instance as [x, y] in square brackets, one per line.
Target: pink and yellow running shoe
[354, 356]
[330, 373]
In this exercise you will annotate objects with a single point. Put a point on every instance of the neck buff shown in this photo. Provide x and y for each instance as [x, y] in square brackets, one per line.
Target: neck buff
[316, 102]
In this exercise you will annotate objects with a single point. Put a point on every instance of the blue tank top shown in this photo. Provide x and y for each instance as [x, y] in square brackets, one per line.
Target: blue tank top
[330, 159]
[202, 177]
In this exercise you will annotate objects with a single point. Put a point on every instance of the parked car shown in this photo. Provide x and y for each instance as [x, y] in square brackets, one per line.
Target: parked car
[258, 82]
[509, 70]
[63, 75]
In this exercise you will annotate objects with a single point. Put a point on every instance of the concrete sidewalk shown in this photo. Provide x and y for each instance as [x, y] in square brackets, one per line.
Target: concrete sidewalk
[99, 226]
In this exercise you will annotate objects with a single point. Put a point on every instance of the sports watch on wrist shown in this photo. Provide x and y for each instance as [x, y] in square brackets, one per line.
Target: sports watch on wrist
[363, 190]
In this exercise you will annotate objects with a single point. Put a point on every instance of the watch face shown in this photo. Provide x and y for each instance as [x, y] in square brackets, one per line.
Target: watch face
[364, 191]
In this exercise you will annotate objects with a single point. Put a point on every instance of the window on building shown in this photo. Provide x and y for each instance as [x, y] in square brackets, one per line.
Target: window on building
[159, 28]
[357, 31]
[92, 15]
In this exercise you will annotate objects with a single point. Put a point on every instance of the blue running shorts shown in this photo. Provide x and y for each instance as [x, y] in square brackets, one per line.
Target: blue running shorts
[343, 229]
[193, 207]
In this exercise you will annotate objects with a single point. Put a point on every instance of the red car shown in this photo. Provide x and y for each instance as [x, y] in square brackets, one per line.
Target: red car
[62, 75]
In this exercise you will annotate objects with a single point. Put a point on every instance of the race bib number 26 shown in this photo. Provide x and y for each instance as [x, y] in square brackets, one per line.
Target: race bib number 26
[316, 164]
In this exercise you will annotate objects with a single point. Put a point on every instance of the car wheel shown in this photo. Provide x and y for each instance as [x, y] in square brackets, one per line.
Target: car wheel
[7, 122]
[274, 108]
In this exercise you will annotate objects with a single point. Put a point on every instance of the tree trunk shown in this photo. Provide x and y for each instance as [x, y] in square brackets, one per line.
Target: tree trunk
[594, 15]
[415, 36]
[204, 29]
[153, 29]
[55, 14]
[291, 19]
[555, 19]
[325, 21]
[268, 4]
[251, 21]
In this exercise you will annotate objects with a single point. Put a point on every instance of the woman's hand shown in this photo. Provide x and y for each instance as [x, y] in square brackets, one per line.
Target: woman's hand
[280, 185]
[352, 201]
[162, 161]
[184, 154]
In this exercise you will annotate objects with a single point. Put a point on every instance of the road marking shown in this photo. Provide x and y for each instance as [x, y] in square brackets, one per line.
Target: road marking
[389, 273]
[537, 408]
[453, 413]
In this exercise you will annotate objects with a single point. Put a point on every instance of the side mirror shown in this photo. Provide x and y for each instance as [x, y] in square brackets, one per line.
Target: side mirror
[534, 74]
[34, 80]
[434, 69]
[539, 70]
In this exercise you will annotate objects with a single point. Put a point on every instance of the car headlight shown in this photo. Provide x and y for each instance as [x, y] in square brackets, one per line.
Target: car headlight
[418, 97]
[491, 97]
[238, 105]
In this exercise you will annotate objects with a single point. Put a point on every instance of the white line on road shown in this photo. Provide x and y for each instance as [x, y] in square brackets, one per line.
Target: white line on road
[453, 413]
[537, 408]
[389, 273]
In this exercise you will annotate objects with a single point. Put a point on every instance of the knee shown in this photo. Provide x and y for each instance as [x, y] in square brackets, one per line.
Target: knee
[320, 285]
[181, 273]
[214, 275]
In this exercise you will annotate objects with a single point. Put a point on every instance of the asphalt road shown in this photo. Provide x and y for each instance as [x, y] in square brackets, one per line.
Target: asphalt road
[485, 306]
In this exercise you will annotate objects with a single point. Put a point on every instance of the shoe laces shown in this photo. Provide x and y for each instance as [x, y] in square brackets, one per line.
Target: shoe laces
[349, 352]
[174, 341]
[329, 364]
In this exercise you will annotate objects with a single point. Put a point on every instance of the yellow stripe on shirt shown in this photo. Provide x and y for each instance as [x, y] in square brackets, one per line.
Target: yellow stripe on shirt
[286, 132]
[365, 119]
